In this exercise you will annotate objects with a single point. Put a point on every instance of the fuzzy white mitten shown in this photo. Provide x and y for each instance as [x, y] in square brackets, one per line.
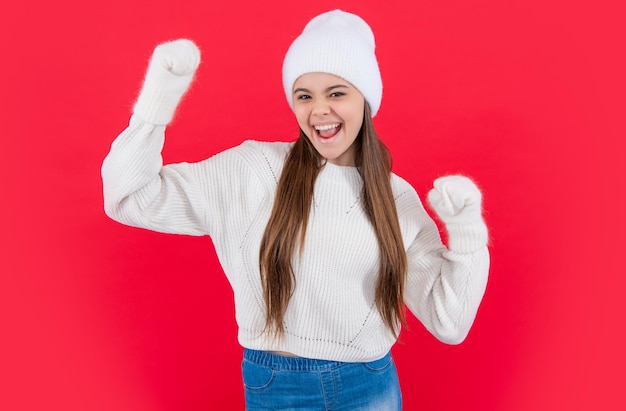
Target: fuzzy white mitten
[170, 72]
[458, 203]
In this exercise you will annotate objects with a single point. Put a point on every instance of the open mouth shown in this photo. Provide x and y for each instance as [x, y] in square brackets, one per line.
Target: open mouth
[327, 130]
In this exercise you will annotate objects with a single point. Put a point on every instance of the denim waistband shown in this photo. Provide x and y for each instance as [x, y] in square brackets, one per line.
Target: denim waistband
[283, 362]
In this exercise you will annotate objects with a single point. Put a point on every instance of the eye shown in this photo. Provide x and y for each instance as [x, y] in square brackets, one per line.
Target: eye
[303, 97]
[337, 94]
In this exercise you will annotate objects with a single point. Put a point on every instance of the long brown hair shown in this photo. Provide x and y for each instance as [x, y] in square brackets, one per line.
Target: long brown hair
[286, 227]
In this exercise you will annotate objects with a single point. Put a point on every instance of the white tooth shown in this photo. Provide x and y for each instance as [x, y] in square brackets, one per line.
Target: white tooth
[326, 127]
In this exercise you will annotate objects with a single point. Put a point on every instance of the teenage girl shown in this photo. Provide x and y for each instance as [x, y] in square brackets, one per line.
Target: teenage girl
[323, 245]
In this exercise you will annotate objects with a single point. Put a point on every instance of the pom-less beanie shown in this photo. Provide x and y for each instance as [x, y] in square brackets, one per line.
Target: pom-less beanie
[338, 43]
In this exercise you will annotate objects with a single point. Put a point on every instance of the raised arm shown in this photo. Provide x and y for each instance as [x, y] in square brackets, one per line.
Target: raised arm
[445, 286]
[138, 189]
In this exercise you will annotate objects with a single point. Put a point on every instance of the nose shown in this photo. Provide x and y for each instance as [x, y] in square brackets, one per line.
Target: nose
[320, 107]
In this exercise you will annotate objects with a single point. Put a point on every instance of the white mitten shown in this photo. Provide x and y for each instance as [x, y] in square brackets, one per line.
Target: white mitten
[456, 200]
[170, 72]
[458, 203]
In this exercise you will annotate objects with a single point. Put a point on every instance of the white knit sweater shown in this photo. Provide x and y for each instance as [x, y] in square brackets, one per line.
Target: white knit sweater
[332, 314]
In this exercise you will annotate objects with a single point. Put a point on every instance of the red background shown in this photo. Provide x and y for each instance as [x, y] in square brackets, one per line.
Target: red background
[526, 96]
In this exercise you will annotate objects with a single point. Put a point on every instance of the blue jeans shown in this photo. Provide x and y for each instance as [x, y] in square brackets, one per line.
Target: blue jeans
[276, 382]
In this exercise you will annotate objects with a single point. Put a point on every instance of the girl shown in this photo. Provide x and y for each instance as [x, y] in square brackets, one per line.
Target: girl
[323, 245]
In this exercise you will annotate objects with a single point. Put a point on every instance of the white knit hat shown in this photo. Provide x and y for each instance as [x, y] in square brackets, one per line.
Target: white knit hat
[338, 43]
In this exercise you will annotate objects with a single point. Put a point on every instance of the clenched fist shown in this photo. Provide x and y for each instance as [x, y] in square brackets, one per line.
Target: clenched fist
[456, 200]
[458, 203]
[170, 72]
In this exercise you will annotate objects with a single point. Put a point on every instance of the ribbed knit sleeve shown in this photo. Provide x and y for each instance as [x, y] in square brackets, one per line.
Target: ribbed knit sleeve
[444, 288]
[186, 198]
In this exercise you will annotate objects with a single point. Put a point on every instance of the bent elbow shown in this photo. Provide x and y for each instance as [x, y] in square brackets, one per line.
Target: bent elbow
[113, 208]
[453, 336]
[109, 209]
[451, 333]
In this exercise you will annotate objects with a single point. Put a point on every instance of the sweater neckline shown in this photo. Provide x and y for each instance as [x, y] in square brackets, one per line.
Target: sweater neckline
[340, 174]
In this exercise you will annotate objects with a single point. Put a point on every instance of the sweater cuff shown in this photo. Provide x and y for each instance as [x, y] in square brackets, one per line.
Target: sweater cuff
[156, 106]
[467, 238]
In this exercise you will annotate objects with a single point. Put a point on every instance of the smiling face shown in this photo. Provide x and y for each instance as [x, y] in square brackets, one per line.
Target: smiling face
[329, 111]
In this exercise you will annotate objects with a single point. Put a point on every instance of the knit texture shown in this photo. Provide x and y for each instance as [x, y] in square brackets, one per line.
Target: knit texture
[338, 43]
[332, 314]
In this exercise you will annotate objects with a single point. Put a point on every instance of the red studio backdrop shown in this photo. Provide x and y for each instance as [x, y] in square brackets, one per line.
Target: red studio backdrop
[526, 97]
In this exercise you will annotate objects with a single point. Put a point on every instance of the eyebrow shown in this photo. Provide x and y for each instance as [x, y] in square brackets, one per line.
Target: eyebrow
[304, 90]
